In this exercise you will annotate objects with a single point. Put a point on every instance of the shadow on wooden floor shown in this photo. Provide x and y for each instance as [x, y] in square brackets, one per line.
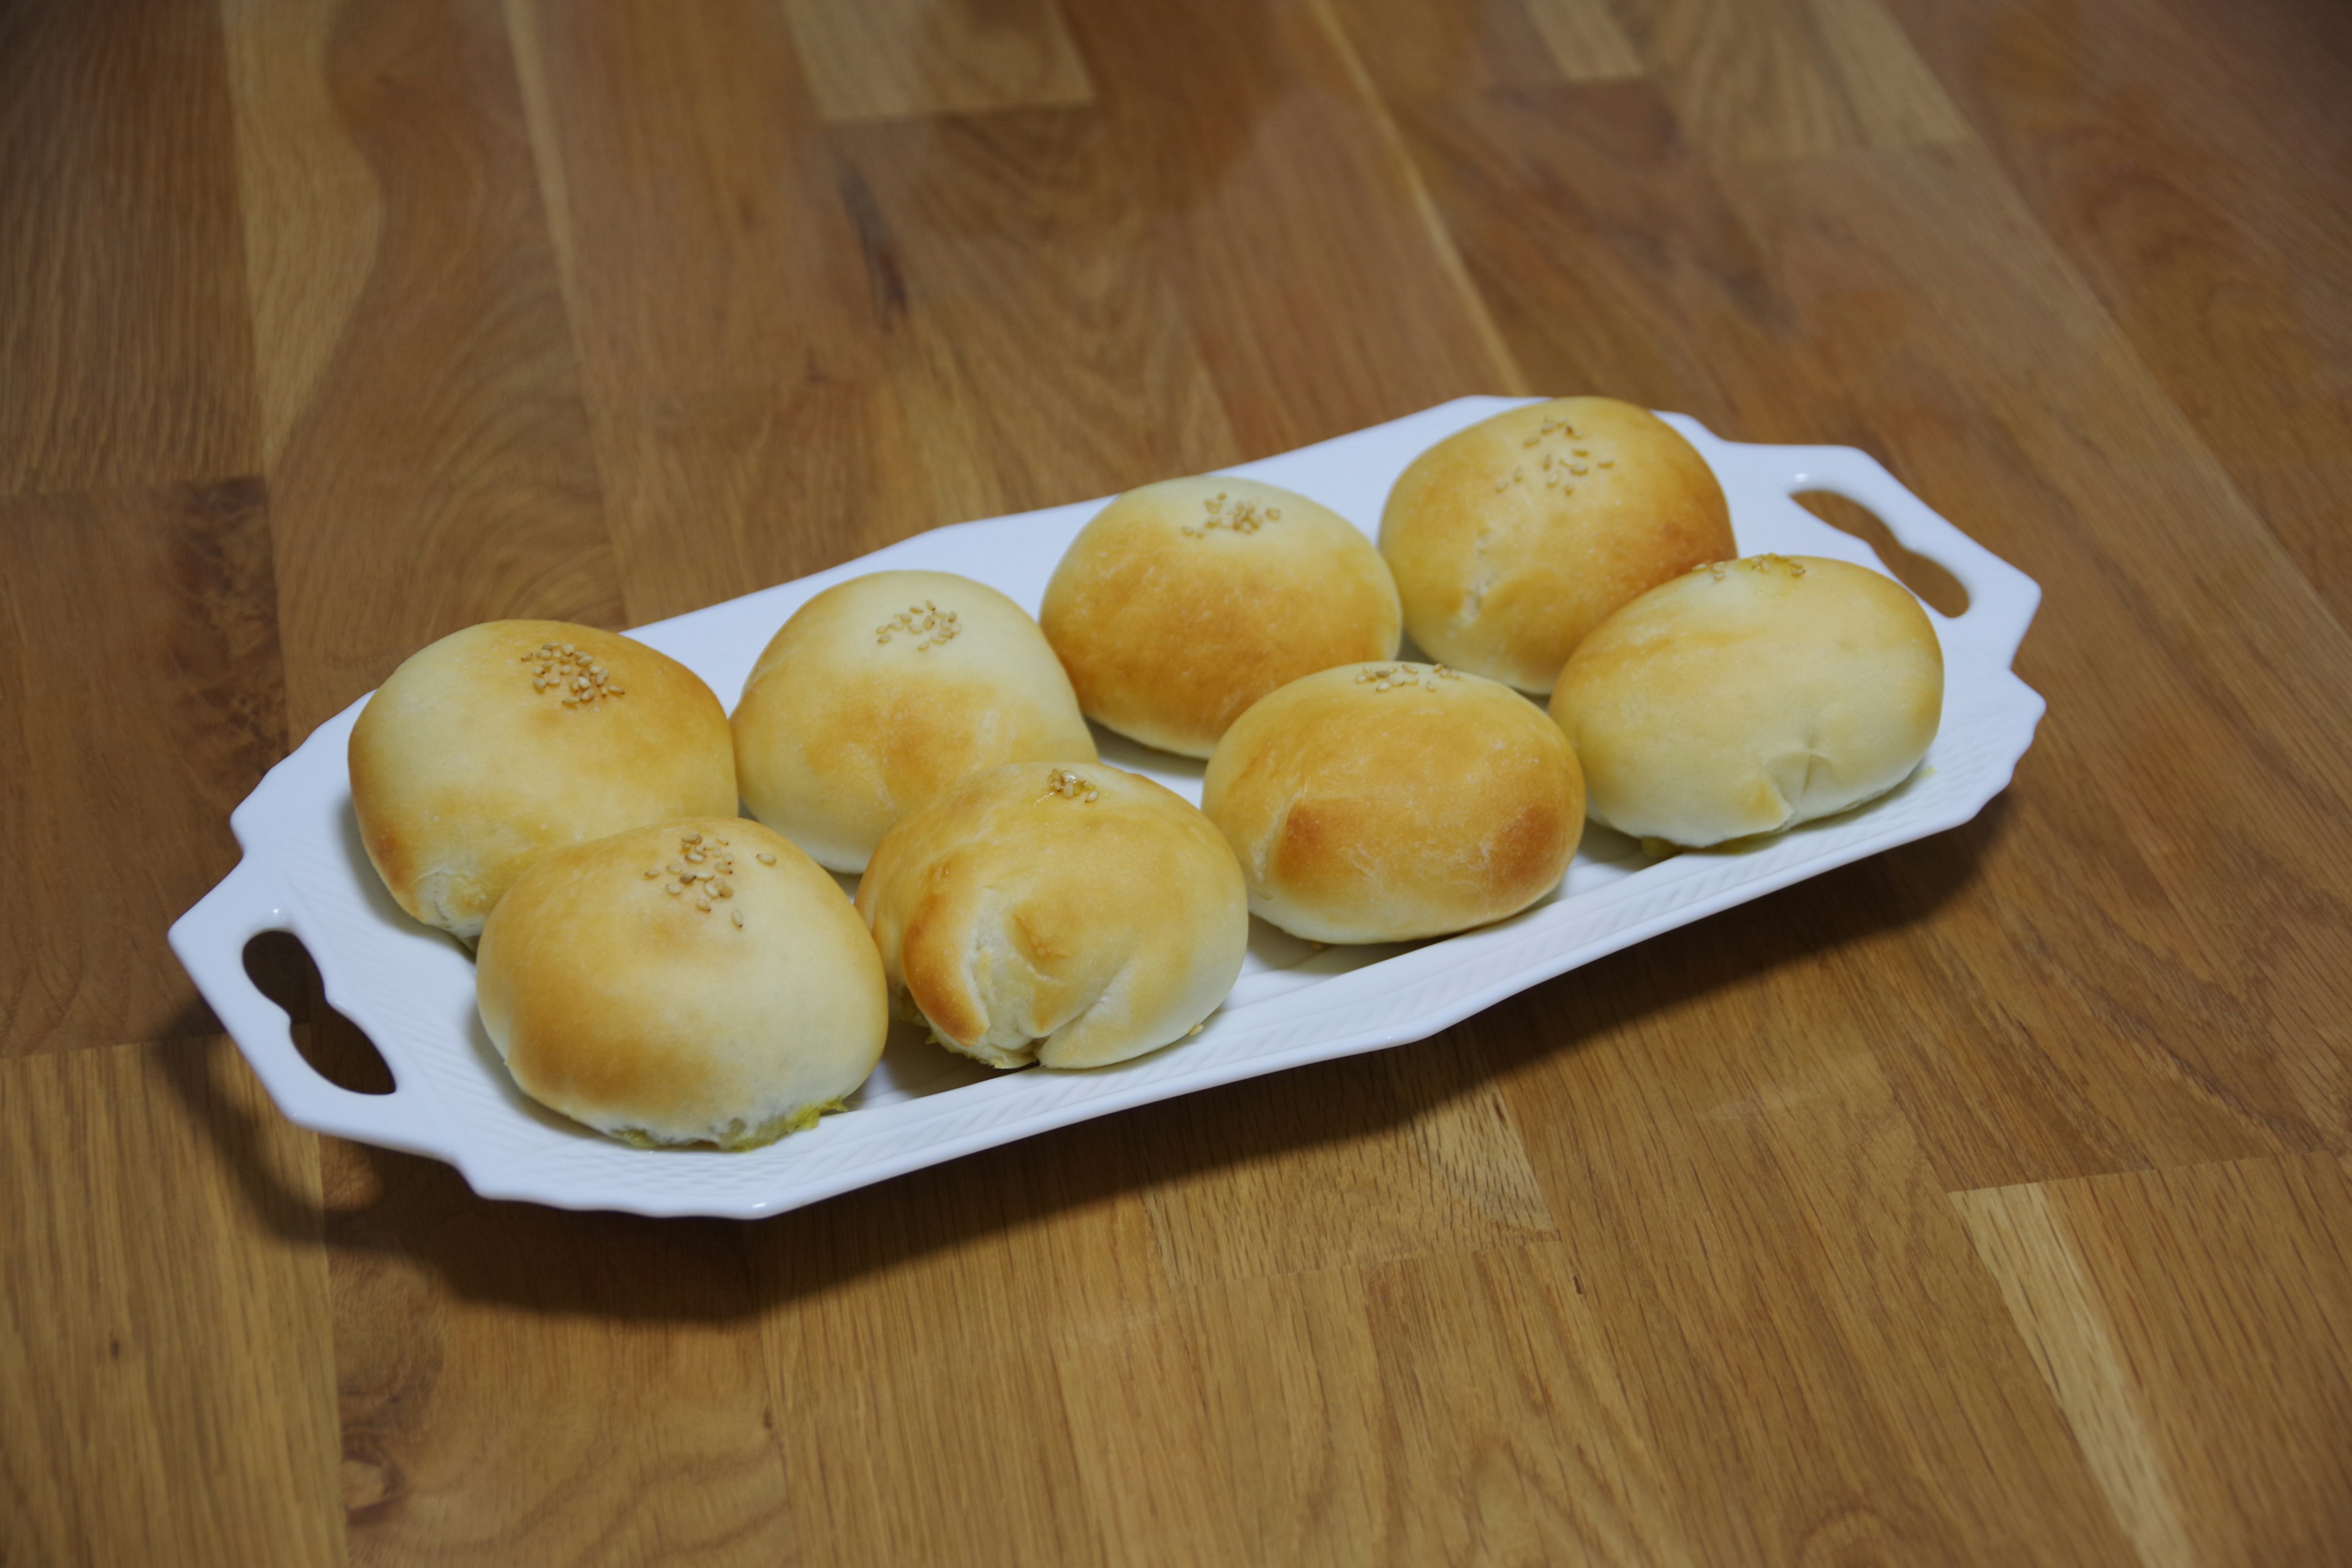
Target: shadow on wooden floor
[381, 1207]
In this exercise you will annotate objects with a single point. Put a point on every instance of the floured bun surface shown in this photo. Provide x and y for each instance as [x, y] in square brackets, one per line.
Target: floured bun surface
[1069, 915]
[1513, 539]
[1182, 603]
[880, 692]
[1749, 696]
[507, 740]
[698, 982]
[1382, 802]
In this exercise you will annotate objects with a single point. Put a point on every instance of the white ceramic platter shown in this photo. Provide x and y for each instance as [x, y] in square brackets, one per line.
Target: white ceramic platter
[412, 989]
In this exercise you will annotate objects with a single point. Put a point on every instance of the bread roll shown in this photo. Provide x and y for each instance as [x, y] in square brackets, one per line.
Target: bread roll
[1379, 802]
[1072, 916]
[883, 690]
[1750, 696]
[1513, 539]
[697, 981]
[1182, 603]
[509, 739]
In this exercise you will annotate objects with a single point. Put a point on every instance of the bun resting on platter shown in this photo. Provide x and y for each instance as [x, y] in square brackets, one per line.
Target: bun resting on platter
[1749, 696]
[698, 982]
[880, 692]
[1379, 802]
[1513, 539]
[1184, 602]
[509, 739]
[1069, 915]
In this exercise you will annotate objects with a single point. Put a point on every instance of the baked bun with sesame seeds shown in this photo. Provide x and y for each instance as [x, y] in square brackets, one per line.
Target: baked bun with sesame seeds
[880, 692]
[697, 981]
[1071, 916]
[499, 742]
[1749, 696]
[1383, 802]
[1513, 539]
[1184, 602]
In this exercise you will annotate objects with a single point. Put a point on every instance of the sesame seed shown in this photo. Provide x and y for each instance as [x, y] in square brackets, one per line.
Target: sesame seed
[764, 859]
[652, 874]
[724, 890]
[702, 904]
[736, 916]
[672, 888]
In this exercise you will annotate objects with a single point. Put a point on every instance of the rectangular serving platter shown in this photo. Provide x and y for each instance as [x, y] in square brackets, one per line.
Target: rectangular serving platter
[412, 988]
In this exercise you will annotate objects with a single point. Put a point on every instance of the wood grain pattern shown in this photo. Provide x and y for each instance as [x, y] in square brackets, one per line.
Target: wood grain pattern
[515, 1382]
[1986, 1201]
[1816, 1384]
[112, 831]
[745, 429]
[438, 438]
[2194, 165]
[123, 340]
[163, 1323]
[2165, 1309]
[889, 59]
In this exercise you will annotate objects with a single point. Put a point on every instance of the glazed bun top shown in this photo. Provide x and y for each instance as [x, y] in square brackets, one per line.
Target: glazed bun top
[1383, 802]
[696, 982]
[1184, 602]
[884, 689]
[509, 739]
[1513, 539]
[1749, 696]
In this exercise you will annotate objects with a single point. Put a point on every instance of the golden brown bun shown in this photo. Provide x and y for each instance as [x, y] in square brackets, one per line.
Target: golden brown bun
[1182, 603]
[481, 754]
[665, 998]
[1379, 802]
[1073, 916]
[1750, 696]
[1512, 539]
[883, 690]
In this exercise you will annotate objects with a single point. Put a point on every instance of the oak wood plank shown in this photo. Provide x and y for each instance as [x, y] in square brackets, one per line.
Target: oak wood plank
[1795, 1315]
[1403, 1153]
[1510, 1433]
[517, 1382]
[1009, 252]
[141, 697]
[1254, 1408]
[126, 358]
[427, 419]
[2194, 164]
[1294, 231]
[164, 1322]
[746, 428]
[895, 59]
[912, 1332]
[2191, 1325]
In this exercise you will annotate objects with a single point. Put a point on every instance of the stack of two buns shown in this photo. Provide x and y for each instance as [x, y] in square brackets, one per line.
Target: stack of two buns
[649, 963]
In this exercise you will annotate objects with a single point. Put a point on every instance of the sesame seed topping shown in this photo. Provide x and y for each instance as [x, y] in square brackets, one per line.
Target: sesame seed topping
[652, 874]
[576, 676]
[1244, 517]
[672, 888]
[702, 904]
[764, 859]
[926, 620]
[736, 916]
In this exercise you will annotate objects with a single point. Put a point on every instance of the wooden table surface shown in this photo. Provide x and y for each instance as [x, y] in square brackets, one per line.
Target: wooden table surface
[1984, 1202]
